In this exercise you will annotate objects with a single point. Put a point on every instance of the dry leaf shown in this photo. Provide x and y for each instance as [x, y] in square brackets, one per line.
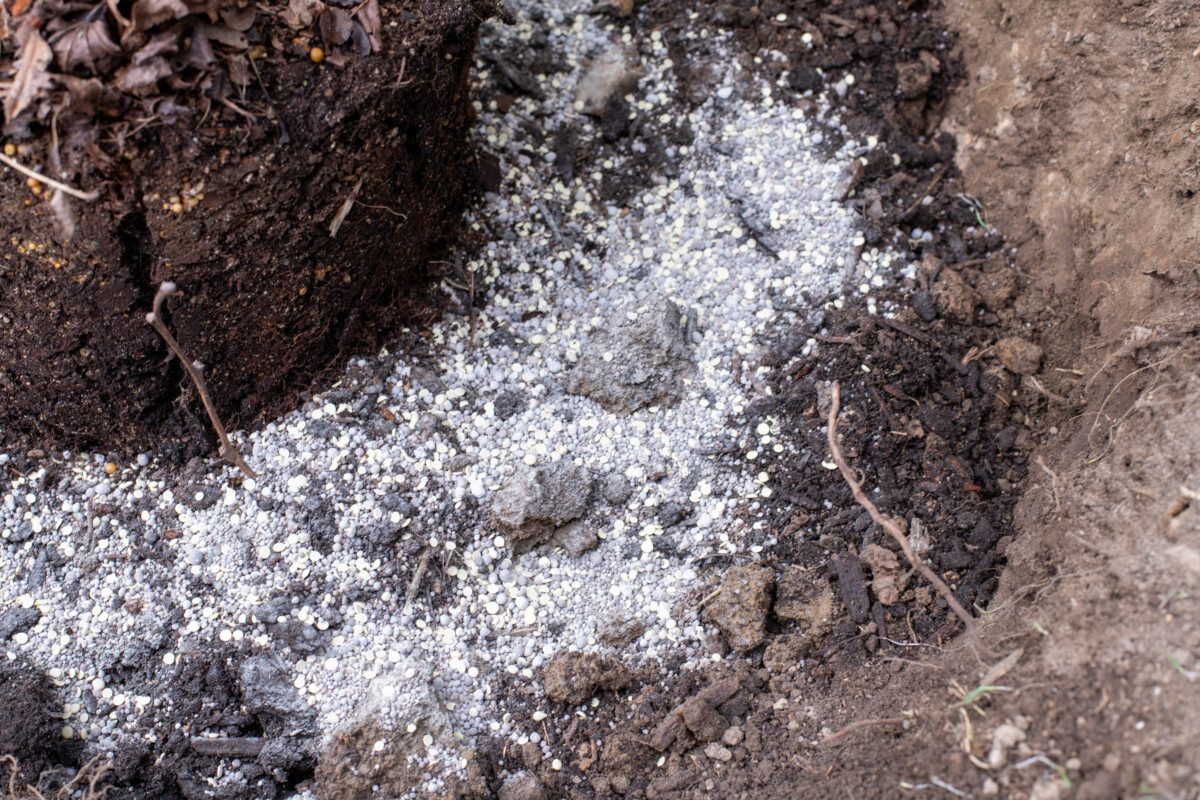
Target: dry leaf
[142, 79]
[884, 565]
[86, 44]
[239, 69]
[301, 13]
[31, 75]
[199, 53]
[163, 44]
[239, 18]
[336, 26]
[225, 35]
[372, 22]
[148, 13]
[83, 94]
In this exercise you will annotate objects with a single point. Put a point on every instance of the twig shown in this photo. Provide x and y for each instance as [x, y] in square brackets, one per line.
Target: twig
[196, 370]
[893, 529]
[62, 187]
[907, 330]
[344, 211]
[863, 723]
[830, 339]
[936, 180]
[422, 565]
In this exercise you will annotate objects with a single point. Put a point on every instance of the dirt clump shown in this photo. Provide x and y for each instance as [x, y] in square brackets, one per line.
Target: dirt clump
[299, 220]
[573, 678]
[28, 730]
[740, 608]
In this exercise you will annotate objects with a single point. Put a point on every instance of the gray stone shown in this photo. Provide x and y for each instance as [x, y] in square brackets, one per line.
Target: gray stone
[16, 620]
[631, 364]
[523, 786]
[616, 488]
[533, 503]
[576, 538]
[269, 695]
[287, 752]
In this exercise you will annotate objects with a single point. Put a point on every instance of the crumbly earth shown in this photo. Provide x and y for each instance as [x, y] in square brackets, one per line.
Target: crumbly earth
[234, 199]
[1087, 594]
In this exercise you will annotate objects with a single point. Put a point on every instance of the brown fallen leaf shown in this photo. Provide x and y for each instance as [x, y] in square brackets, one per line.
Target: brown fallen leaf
[240, 18]
[199, 54]
[31, 76]
[884, 566]
[85, 44]
[226, 35]
[83, 94]
[145, 14]
[372, 22]
[142, 79]
[336, 26]
[300, 13]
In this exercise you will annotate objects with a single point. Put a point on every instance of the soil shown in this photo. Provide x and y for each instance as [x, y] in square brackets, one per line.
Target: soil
[1057, 492]
[1036, 408]
[271, 300]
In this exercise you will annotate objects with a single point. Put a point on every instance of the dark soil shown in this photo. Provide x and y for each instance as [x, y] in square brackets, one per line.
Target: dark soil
[28, 731]
[271, 302]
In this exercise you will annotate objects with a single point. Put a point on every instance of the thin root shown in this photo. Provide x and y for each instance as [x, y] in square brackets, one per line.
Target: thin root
[863, 723]
[195, 370]
[893, 529]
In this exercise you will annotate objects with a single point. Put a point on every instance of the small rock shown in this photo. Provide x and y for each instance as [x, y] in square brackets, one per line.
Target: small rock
[576, 538]
[990, 788]
[629, 364]
[619, 631]
[573, 678]
[533, 503]
[522, 786]
[1019, 355]
[620, 784]
[740, 610]
[286, 752]
[732, 736]
[616, 489]
[704, 721]
[268, 694]
[18, 620]
[718, 752]
[1003, 738]
[613, 74]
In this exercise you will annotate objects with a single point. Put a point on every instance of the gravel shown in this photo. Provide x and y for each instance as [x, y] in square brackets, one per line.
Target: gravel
[308, 567]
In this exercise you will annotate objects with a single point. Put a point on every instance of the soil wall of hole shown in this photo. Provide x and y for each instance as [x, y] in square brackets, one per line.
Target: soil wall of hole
[271, 301]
